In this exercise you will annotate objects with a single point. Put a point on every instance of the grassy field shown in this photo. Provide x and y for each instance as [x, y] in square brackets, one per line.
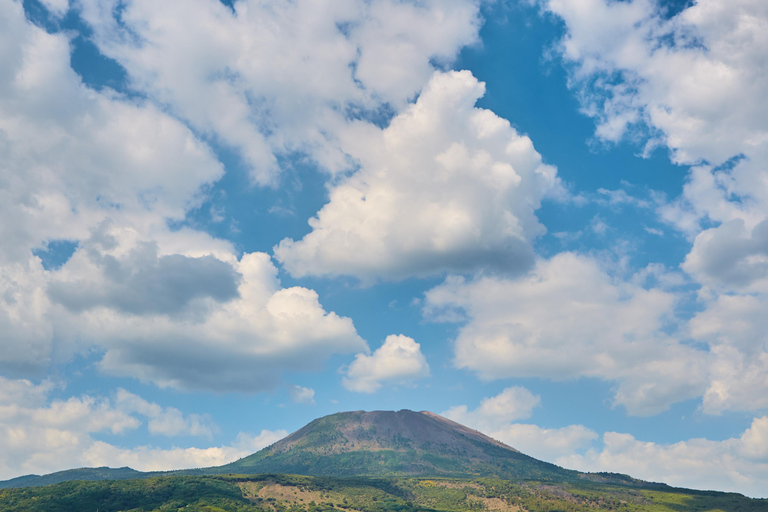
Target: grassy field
[289, 493]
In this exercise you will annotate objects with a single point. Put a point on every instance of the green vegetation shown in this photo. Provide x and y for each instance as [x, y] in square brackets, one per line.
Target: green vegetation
[291, 493]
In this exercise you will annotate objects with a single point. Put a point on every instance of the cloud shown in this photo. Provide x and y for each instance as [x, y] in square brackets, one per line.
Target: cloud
[110, 174]
[166, 421]
[72, 159]
[694, 79]
[147, 458]
[692, 83]
[512, 404]
[735, 328]
[56, 7]
[144, 283]
[494, 417]
[243, 344]
[547, 444]
[302, 395]
[445, 187]
[275, 79]
[567, 319]
[398, 361]
[42, 435]
[738, 464]
[731, 257]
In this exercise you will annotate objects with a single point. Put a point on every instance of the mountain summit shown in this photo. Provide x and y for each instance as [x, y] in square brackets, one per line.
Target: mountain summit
[393, 443]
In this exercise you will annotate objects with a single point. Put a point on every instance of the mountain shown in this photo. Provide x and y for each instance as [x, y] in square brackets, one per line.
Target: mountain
[388, 443]
[360, 443]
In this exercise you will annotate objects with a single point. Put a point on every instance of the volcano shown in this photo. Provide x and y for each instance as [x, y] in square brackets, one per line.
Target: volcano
[393, 443]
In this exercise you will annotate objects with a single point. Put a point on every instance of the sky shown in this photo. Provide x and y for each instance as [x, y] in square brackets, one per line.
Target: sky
[544, 219]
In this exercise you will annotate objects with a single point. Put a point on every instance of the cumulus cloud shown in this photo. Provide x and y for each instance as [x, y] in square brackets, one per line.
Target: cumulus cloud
[445, 187]
[167, 421]
[398, 361]
[515, 403]
[738, 464]
[734, 326]
[495, 416]
[110, 174]
[73, 158]
[145, 283]
[243, 344]
[270, 79]
[694, 81]
[567, 319]
[147, 458]
[40, 435]
[731, 257]
[302, 395]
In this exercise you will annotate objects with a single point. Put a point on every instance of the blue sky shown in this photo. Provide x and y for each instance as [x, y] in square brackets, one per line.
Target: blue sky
[545, 219]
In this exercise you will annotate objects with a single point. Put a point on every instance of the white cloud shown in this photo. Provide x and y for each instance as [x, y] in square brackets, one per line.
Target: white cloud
[143, 282]
[109, 173]
[515, 403]
[736, 464]
[696, 79]
[398, 361]
[735, 328]
[73, 159]
[56, 7]
[302, 395]
[167, 421]
[40, 435]
[696, 82]
[566, 319]
[494, 417]
[446, 186]
[147, 458]
[242, 344]
[269, 79]
[731, 257]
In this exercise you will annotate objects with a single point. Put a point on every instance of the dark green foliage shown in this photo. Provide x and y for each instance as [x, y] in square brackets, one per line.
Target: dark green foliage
[168, 493]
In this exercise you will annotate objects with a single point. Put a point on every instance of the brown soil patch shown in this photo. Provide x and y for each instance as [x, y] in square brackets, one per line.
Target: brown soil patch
[264, 492]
